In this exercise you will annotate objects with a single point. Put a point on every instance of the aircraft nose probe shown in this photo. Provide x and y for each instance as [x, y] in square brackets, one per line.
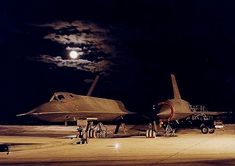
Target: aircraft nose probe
[166, 113]
[27, 113]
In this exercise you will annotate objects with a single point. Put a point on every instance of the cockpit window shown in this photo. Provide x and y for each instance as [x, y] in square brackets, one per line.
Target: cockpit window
[53, 98]
[60, 97]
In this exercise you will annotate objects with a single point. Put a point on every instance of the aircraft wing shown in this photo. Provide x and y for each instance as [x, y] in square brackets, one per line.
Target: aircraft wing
[80, 112]
[61, 116]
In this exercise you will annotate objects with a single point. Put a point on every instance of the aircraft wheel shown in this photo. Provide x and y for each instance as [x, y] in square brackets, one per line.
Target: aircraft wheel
[204, 130]
[91, 133]
[154, 134]
[150, 133]
[94, 133]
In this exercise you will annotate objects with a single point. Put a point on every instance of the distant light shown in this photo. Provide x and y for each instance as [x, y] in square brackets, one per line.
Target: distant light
[73, 54]
[117, 146]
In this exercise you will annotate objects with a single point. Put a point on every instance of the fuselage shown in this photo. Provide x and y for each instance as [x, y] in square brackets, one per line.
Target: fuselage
[174, 109]
[65, 106]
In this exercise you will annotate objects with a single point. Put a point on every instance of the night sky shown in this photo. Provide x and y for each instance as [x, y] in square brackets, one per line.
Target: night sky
[134, 46]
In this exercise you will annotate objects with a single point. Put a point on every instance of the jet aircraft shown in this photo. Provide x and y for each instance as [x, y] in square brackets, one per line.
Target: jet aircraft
[173, 110]
[64, 107]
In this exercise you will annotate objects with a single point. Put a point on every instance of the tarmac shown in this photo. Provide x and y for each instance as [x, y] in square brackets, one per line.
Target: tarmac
[48, 145]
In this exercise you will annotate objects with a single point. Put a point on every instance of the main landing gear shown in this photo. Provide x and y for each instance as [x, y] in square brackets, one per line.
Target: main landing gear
[97, 131]
[101, 131]
[160, 129]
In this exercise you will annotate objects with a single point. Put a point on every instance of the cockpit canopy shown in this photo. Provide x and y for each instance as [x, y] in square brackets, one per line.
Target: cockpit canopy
[60, 96]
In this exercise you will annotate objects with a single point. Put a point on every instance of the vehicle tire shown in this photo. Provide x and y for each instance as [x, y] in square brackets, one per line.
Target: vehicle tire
[211, 131]
[204, 130]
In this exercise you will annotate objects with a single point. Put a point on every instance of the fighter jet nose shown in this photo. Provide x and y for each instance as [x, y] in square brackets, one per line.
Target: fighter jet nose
[27, 113]
[32, 112]
[39, 109]
[164, 113]
[36, 110]
[159, 114]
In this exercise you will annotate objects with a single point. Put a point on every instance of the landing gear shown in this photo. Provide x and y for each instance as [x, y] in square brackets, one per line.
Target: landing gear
[161, 129]
[169, 131]
[150, 133]
[91, 133]
[97, 131]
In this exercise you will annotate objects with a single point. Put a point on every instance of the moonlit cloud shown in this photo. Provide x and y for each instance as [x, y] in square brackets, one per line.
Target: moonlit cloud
[81, 33]
[82, 26]
[80, 64]
[94, 44]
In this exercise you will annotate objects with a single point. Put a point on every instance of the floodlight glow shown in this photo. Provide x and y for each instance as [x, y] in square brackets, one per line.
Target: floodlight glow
[117, 146]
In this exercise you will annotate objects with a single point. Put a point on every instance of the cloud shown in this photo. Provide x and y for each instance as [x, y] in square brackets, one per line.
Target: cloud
[82, 26]
[81, 33]
[81, 64]
[93, 42]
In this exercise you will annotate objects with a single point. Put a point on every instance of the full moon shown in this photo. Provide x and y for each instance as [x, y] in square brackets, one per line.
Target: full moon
[73, 54]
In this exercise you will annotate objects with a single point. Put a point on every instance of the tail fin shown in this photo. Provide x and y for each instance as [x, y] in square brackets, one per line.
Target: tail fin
[93, 85]
[175, 87]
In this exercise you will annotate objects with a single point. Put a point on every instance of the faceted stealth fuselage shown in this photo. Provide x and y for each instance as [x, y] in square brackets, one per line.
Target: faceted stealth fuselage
[65, 106]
